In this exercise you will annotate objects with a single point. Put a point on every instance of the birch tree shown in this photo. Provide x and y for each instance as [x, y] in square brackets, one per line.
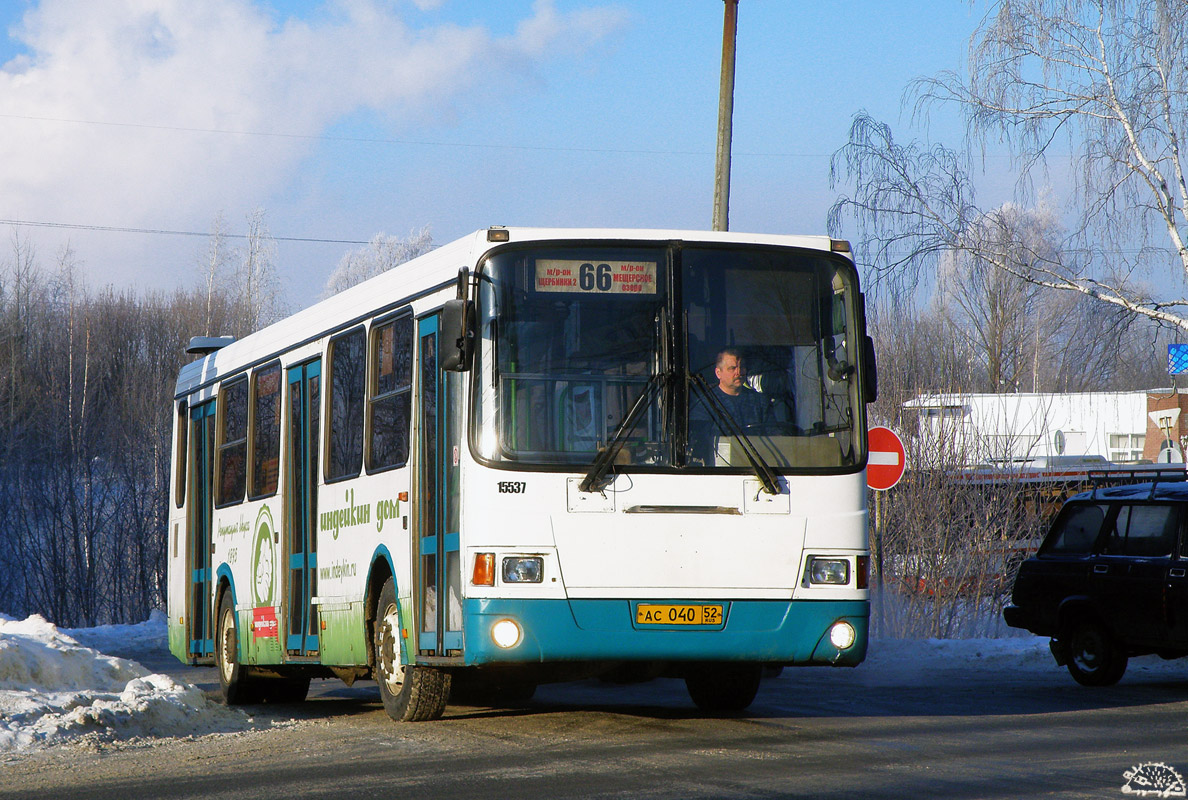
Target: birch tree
[213, 269]
[261, 294]
[1105, 82]
[379, 255]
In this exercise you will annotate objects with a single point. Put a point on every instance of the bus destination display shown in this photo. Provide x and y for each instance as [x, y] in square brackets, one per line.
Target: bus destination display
[589, 277]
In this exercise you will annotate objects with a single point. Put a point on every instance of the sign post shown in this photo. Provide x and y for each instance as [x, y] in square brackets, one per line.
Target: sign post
[885, 464]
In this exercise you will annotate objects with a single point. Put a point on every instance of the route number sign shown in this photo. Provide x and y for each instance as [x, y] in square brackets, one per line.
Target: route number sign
[603, 277]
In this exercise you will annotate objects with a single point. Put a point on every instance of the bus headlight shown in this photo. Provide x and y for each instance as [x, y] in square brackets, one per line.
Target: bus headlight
[523, 570]
[834, 571]
[506, 633]
[842, 635]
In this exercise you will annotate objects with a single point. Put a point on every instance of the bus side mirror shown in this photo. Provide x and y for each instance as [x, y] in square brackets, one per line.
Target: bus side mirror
[870, 373]
[457, 335]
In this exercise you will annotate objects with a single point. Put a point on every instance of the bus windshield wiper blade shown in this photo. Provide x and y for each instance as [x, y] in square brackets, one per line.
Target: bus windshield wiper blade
[606, 456]
[767, 475]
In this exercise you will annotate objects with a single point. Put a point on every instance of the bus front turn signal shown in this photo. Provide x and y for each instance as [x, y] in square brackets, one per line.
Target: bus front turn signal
[484, 570]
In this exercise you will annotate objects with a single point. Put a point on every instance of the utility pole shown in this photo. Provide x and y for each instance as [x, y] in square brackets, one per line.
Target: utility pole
[725, 117]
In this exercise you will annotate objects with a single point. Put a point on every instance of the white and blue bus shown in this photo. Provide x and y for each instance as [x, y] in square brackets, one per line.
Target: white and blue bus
[533, 455]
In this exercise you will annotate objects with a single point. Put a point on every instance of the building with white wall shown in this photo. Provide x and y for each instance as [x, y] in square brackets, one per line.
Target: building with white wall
[1045, 429]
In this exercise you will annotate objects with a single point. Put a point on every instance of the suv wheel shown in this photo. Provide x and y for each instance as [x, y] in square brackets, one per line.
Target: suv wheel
[1095, 656]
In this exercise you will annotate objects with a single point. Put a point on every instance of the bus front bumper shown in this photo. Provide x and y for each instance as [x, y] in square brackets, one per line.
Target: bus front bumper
[766, 631]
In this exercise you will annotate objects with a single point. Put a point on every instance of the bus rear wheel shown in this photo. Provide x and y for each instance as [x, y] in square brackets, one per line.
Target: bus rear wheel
[411, 693]
[238, 685]
[724, 688]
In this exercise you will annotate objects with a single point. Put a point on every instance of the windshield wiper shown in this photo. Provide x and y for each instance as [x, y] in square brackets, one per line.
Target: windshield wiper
[593, 481]
[767, 475]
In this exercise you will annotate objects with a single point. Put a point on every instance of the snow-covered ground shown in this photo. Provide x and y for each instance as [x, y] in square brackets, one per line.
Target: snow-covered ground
[57, 686]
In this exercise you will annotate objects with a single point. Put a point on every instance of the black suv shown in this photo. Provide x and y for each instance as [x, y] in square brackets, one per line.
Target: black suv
[1109, 580]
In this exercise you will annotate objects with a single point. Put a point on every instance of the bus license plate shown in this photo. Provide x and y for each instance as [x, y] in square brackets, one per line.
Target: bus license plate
[678, 615]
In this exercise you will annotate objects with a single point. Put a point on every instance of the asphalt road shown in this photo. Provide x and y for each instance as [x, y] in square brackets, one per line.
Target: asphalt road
[943, 732]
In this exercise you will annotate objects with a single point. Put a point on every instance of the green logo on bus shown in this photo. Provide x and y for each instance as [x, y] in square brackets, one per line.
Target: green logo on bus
[263, 559]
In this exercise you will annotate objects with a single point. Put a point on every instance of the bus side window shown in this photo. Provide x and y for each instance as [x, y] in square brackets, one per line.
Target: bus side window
[182, 457]
[233, 442]
[265, 425]
[348, 368]
[391, 394]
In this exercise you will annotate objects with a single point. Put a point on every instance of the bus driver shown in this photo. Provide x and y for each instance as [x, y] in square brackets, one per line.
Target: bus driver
[744, 404]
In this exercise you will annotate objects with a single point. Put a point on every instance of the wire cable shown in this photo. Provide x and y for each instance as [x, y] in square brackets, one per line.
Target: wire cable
[162, 232]
[415, 142]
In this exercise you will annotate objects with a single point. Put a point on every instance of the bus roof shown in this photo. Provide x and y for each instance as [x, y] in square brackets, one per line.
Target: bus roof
[427, 274]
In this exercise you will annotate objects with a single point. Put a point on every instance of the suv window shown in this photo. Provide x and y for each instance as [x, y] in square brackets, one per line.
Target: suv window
[1075, 531]
[1147, 530]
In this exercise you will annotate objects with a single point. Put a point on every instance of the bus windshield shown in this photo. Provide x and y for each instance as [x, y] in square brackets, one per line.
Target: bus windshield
[682, 356]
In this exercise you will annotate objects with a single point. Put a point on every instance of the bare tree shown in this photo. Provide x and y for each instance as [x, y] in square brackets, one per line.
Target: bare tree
[995, 311]
[381, 254]
[946, 545]
[214, 266]
[85, 439]
[1107, 80]
[949, 546]
[261, 294]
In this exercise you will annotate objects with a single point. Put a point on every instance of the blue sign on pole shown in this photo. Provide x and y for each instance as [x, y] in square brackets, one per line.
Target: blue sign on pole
[1177, 359]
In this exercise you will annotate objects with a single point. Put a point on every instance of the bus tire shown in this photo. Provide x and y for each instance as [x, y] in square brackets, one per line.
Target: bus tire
[411, 693]
[235, 679]
[724, 688]
[1095, 656]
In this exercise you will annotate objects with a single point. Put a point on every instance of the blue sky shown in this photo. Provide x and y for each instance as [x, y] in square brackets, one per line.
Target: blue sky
[350, 118]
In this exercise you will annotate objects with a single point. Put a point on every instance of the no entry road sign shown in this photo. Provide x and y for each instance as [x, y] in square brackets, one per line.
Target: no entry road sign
[886, 462]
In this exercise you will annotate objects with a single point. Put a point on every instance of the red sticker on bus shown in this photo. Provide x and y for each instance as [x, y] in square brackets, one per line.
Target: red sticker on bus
[264, 624]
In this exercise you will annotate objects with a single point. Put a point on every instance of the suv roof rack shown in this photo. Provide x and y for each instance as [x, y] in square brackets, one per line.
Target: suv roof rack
[1102, 478]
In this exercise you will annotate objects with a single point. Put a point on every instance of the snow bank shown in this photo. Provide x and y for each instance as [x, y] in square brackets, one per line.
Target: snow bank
[912, 661]
[144, 637]
[55, 689]
[1026, 654]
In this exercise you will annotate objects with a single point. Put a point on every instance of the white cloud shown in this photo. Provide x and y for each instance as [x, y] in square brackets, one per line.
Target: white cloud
[139, 82]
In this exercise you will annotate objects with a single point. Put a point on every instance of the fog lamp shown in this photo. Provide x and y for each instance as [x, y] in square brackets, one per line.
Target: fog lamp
[834, 571]
[842, 635]
[506, 633]
[523, 570]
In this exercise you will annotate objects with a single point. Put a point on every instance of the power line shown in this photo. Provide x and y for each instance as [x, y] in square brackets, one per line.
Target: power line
[416, 142]
[156, 231]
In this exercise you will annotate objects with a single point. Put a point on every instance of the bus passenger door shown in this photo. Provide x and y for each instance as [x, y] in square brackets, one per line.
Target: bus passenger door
[202, 432]
[439, 568]
[301, 541]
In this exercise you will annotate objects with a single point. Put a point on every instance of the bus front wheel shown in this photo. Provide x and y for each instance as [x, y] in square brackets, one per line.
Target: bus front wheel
[411, 693]
[724, 688]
